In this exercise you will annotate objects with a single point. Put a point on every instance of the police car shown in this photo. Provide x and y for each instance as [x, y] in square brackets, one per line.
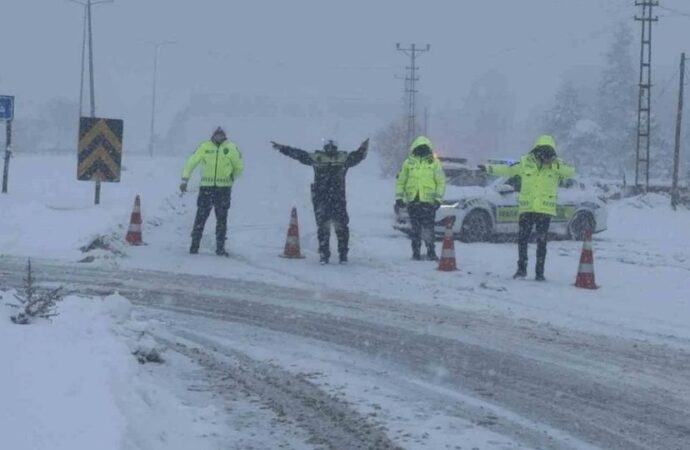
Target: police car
[486, 208]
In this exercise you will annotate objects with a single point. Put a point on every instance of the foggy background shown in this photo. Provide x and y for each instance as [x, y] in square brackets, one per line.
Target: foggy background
[304, 70]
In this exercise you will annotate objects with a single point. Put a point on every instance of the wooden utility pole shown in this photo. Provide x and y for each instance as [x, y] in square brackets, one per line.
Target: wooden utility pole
[679, 122]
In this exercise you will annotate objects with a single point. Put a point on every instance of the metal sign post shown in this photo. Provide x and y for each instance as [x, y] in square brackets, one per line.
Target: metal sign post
[7, 115]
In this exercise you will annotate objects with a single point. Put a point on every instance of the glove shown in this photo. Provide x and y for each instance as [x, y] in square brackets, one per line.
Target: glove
[365, 144]
[183, 186]
[483, 168]
[399, 204]
[277, 146]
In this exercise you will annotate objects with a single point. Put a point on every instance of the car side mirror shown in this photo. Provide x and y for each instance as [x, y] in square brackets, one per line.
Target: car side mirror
[505, 189]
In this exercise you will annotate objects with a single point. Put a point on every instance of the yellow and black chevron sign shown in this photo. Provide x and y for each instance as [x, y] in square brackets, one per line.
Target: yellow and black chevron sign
[100, 149]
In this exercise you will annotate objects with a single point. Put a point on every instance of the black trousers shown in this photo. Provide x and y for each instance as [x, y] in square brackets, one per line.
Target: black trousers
[422, 218]
[528, 221]
[217, 198]
[331, 211]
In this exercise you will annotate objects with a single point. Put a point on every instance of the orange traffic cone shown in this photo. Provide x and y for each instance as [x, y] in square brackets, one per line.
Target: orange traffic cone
[134, 231]
[585, 273]
[292, 249]
[447, 261]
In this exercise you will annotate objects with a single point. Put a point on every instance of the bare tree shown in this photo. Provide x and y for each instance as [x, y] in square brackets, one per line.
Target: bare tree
[34, 303]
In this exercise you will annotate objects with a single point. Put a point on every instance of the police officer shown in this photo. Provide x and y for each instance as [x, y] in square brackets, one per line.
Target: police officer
[420, 186]
[328, 191]
[221, 164]
[541, 172]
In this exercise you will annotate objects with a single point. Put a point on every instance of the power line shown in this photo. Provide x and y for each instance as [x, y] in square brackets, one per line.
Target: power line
[666, 86]
[411, 87]
[674, 11]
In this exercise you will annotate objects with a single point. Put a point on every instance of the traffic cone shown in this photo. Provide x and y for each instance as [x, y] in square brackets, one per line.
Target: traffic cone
[134, 231]
[585, 273]
[447, 261]
[292, 250]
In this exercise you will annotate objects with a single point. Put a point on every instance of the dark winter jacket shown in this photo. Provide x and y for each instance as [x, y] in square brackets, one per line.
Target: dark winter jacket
[330, 169]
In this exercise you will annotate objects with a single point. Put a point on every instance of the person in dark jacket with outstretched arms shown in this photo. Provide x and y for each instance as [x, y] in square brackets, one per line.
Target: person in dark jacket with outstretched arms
[328, 191]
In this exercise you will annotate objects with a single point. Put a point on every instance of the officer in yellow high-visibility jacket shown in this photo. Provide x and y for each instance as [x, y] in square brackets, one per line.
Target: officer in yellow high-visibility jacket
[420, 186]
[541, 172]
[221, 163]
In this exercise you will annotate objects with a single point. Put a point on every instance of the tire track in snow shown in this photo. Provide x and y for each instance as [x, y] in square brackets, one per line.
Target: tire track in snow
[588, 401]
[331, 422]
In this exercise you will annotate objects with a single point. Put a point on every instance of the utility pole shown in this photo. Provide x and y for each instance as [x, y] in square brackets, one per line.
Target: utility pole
[411, 86]
[88, 36]
[644, 114]
[679, 121]
[156, 47]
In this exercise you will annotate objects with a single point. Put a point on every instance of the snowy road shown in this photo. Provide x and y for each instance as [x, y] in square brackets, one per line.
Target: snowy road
[529, 384]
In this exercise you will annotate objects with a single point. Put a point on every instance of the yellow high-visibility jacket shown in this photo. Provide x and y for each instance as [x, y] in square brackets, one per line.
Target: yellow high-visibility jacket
[539, 183]
[421, 179]
[221, 164]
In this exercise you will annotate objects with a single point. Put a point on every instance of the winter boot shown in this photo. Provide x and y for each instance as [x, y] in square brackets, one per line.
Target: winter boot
[220, 248]
[539, 270]
[343, 258]
[431, 254]
[416, 251]
[323, 259]
[521, 271]
[194, 248]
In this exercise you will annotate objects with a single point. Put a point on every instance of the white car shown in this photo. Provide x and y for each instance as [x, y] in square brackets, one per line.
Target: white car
[486, 213]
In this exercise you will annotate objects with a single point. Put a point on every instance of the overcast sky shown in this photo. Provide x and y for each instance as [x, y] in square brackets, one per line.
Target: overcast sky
[311, 47]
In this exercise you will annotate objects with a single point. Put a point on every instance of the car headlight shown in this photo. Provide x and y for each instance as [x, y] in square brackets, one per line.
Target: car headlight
[455, 205]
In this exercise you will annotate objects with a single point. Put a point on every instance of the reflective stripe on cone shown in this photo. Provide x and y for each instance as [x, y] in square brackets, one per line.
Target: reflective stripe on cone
[292, 247]
[585, 272]
[447, 262]
[134, 232]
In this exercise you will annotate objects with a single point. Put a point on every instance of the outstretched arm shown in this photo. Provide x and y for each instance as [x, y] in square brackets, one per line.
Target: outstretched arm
[503, 170]
[565, 171]
[358, 155]
[295, 153]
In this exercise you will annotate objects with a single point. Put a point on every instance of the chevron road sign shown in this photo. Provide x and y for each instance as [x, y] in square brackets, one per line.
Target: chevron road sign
[100, 149]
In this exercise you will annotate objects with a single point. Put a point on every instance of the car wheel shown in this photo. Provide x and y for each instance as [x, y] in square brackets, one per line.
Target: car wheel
[476, 227]
[580, 225]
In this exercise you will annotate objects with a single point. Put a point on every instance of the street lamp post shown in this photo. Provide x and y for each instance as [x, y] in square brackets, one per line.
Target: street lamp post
[152, 138]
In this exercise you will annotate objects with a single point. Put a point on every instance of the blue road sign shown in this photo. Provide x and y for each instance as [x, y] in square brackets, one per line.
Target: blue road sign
[6, 107]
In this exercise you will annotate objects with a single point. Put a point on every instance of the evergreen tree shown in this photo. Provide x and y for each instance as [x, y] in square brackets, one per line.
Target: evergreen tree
[566, 111]
[616, 107]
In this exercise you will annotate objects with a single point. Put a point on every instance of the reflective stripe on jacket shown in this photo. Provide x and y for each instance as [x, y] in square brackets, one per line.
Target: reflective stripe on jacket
[421, 179]
[221, 164]
[539, 184]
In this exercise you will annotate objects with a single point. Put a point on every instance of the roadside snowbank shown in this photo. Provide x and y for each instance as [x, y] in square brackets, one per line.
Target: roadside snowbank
[73, 383]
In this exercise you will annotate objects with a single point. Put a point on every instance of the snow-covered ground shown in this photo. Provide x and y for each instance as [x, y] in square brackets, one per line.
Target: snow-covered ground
[642, 265]
[73, 383]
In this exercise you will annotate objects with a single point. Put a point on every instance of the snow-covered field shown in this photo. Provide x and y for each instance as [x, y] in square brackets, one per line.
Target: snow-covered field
[84, 365]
